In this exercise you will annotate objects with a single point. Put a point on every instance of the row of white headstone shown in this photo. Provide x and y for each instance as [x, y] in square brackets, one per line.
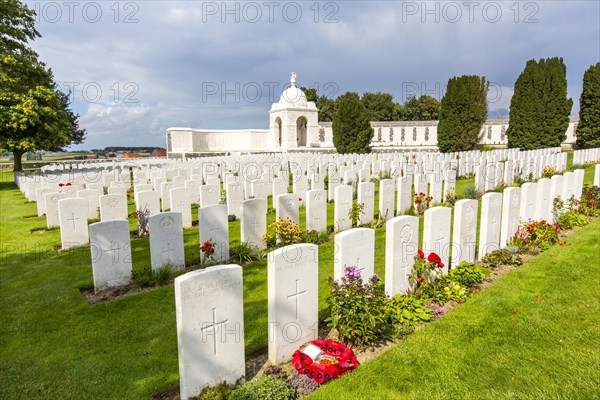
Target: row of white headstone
[209, 302]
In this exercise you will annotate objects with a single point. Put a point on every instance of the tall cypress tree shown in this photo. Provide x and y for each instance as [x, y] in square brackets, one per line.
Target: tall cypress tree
[462, 113]
[352, 132]
[588, 130]
[539, 108]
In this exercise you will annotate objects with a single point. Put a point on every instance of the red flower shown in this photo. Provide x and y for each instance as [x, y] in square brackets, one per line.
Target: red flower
[68, 184]
[556, 228]
[417, 201]
[421, 254]
[441, 265]
[61, 184]
[341, 360]
[516, 311]
[434, 258]
[299, 198]
[421, 280]
[590, 206]
[589, 197]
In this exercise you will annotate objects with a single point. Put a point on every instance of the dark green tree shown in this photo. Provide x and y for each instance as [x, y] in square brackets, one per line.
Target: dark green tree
[352, 132]
[34, 114]
[311, 93]
[326, 108]
[379, 105]
[425, 108]
[462, 113]
[588, 129]
[539, 108]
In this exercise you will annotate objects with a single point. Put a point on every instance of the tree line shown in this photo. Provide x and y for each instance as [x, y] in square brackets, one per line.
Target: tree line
[539, 111]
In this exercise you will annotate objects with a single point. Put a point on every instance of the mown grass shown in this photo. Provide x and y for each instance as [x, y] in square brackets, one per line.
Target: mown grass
[53, 344]
[532, 335]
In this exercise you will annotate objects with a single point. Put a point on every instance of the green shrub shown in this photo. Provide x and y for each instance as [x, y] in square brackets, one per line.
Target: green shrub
[149, 277]
[502, 257]
[358, 310]
[243, 252]
[468, 275]
[572, 218]
[470, 192]
[220, 392]
[455, 291]
[231, 217]
[407, 312]
[264, 388]
[315, 237]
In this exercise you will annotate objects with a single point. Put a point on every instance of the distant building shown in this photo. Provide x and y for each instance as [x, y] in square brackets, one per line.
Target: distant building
[131, 155]
[158, 153]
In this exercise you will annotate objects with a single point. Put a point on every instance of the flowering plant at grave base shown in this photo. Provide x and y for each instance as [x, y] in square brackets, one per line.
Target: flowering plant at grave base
[426, 279]
[548, 171]
[286, 232]
[590, 201]
[359, 310]
[334, 361]
[422, 202]
[535, 235]
[142, 216]
[207, 249]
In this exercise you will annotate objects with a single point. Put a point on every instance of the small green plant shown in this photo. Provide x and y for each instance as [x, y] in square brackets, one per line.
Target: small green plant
[149, 277]
[590, 201]
[267, 387]
[507, 256]
[231, 218]
[468, 274]
[408, 312]
[223, 199]
[572, 218]
[358, 309]
[470, 192]
[378, 222]
[315, 237]
[243, 252]
[455, 291]
[356, 211]
[220, 392]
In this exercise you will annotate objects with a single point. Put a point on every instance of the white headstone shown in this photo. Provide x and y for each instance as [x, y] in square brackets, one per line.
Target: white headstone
[148, 200]
[387, 199]
[544, 201]
[293, 281]
[464, 236]
[489, 229]
[180, 202]
[342, 207]
[209, 195]
[436, 233]
[93, 201]
[112, 207]
[528, 199]
[401, 245]
[51, 200]
[253, 225]
[366, 197]
[111, 254]
[404, 194]
[288, 207]
[316, 210]
[235, 196]
[214, 227]
[72, 214]
[166, 240]
[40, 195]
[354, 248]
[210, 328]
[511, 205]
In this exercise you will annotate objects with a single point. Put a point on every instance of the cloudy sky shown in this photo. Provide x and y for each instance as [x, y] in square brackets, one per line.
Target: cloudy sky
[136, 68]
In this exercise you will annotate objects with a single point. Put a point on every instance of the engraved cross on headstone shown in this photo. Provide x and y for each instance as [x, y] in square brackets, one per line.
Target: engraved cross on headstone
[73, 219]
[114, 250]
[296, 296]
[213, 328]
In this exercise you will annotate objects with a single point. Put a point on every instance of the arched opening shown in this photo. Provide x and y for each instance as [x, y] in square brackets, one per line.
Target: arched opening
[301, 124]
[278, 129]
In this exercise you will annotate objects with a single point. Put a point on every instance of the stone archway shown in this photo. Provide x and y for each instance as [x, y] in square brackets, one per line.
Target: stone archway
[278, 130]
[301, 138]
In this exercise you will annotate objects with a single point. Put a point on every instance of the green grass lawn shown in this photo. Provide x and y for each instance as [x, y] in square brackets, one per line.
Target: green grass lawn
[532, 335]
[53, 344]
